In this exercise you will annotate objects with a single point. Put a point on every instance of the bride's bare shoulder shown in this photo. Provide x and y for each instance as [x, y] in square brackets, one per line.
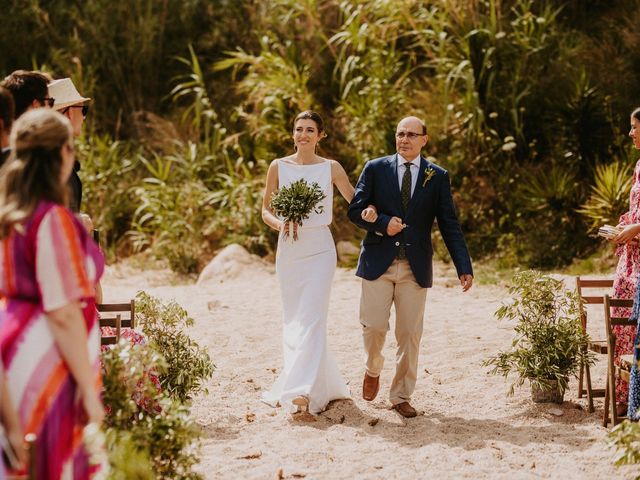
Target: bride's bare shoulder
[336, 166]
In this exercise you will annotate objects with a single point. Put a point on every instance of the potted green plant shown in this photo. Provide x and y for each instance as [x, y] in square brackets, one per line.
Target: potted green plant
[549, 342]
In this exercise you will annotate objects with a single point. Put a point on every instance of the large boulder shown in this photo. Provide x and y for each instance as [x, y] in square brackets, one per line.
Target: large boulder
[230, 262]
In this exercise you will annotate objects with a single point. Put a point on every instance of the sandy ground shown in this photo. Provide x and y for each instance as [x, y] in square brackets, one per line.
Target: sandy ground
[468, 428]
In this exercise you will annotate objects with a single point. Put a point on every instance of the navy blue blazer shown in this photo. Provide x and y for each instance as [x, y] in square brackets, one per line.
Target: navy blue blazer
[431, 199]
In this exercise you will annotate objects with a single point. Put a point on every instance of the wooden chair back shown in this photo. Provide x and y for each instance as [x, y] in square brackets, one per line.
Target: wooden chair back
[613, 370]
[587, 283]
[586, 290]
[109, 312]
[118, 316]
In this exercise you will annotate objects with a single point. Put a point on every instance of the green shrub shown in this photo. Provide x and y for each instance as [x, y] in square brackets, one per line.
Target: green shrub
[609, 196]
[109, 171]
[549, 343]
[158, 436]
[188, 365]
[625, 438]
[127, 460]
[549, 233]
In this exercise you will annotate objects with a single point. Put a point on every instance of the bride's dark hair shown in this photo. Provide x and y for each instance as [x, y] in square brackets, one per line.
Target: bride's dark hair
[311, 115]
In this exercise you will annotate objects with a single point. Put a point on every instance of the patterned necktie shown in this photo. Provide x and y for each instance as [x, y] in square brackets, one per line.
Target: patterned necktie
[405, 191]
[405, 196]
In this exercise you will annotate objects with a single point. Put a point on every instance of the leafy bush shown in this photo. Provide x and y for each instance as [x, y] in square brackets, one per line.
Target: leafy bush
[187, 365]
[609, 196]
[162, 441]
[127, 461]
[549, 233]
[110, 170]
[625, 438]
[549, 343]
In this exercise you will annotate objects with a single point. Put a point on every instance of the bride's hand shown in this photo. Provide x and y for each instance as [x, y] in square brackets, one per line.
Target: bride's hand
[284, 229]
[370, 214]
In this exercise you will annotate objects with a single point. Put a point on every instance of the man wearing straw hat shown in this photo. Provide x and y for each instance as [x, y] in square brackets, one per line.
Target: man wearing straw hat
[75, 107]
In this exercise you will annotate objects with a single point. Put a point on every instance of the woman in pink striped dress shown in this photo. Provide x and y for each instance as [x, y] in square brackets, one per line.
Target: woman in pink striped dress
[49, 336]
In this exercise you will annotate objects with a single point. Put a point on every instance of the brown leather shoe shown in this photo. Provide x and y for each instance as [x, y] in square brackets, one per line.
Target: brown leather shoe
[370, 387]
[406, 410]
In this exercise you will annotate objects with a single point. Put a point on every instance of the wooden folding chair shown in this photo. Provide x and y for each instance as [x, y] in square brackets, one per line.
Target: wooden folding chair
[118, 316]
[597, 346]
[613, 370]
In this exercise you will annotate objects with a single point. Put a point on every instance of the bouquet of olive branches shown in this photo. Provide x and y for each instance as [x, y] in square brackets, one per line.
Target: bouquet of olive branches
[296, 201]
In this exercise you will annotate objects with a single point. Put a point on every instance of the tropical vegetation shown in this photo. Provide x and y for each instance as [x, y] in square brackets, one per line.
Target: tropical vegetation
[527, 105]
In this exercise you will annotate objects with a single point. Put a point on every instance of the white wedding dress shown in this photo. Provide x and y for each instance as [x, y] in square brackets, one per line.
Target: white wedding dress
[305, 269]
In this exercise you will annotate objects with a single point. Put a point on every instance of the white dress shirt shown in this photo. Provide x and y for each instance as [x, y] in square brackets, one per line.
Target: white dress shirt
[415, 169]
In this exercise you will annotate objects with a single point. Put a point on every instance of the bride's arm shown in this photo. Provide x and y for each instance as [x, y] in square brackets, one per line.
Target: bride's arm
[271, 185]
[341, 180]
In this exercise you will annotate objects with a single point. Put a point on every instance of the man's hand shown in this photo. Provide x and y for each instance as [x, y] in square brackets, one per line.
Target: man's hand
[395, 226]
[466, 281]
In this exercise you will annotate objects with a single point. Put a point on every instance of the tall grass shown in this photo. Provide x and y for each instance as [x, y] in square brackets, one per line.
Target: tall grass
[190, 106]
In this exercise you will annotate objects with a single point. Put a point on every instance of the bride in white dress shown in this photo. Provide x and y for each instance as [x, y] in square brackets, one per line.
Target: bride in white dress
[310, 378]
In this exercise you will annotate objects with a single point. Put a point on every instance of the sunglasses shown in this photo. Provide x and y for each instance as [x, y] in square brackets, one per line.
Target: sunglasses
[48, 101]
[85, 109]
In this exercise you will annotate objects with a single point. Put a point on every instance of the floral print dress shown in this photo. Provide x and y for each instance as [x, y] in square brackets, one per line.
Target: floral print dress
[634, 382]
[624, 285]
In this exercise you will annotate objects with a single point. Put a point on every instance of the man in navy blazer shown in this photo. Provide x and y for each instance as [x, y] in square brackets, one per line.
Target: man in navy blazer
[395, 262]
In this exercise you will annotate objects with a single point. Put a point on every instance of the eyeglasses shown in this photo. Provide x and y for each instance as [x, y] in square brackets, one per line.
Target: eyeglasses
[48, 101]
[85, 109]
[409, 135]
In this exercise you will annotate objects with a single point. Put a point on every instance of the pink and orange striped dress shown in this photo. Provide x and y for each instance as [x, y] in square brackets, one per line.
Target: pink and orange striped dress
[52, 264]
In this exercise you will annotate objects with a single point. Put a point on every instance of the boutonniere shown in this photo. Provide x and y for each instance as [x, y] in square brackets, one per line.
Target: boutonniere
[428, 173]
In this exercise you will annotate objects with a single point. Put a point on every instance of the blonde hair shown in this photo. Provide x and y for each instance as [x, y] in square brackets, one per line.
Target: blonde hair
[32, 172]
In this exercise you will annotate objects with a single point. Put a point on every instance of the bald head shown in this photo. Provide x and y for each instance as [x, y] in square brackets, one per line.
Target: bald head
[411, 136]
[419, 125]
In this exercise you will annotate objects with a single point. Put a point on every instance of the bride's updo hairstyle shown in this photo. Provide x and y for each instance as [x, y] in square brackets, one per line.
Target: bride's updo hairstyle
[32, 172]
[315, 117]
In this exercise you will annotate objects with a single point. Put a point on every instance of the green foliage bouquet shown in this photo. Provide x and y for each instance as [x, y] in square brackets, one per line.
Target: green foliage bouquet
[296, 201]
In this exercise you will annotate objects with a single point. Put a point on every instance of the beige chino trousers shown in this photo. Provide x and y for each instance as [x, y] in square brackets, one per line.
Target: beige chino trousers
[396, 286]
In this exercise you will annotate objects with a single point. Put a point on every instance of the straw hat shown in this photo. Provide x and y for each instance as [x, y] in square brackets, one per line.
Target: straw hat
[65, 93]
